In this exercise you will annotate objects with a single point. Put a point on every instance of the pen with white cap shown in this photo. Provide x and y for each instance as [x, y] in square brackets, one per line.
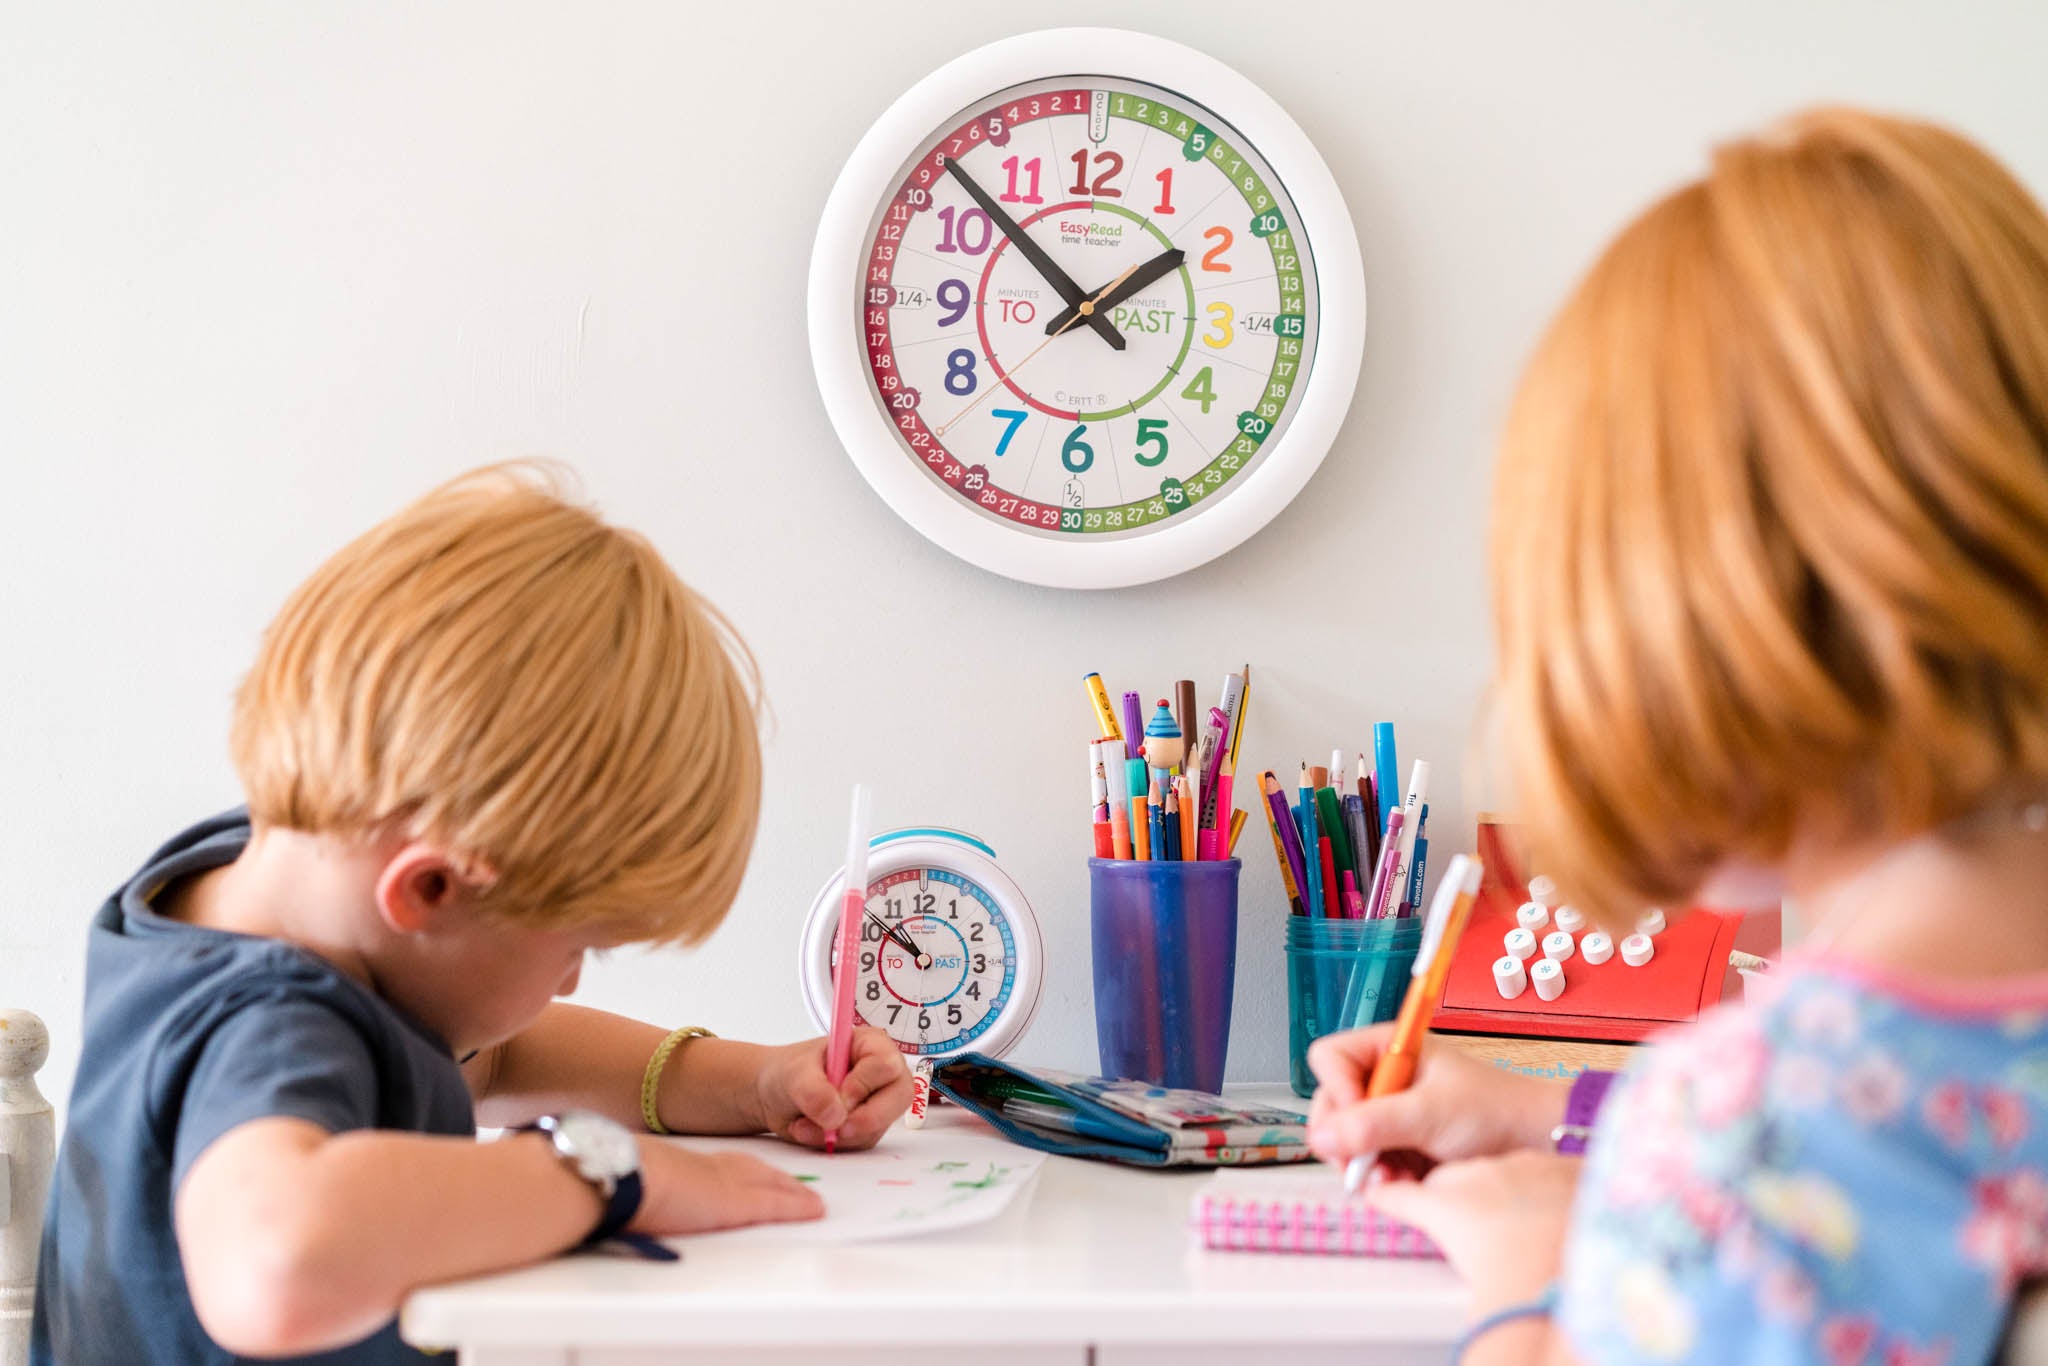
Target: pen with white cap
[1440, 933]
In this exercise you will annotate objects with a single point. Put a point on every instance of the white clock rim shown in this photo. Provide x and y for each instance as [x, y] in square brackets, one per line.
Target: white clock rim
[814, 959]
[871, 439]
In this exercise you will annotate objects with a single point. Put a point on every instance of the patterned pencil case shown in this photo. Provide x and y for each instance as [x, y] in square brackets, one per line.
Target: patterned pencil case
[1120, 1121]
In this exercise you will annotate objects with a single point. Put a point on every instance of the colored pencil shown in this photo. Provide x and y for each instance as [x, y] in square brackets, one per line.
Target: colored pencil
[1290, 836]
[1331, 910]
[1155, 821]
[1305, 817]
[1240, 712]
[1274, 810]
[1237, 820]
[1187, 817]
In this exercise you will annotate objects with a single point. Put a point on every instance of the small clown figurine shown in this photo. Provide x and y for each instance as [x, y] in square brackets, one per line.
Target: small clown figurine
[1165, 747]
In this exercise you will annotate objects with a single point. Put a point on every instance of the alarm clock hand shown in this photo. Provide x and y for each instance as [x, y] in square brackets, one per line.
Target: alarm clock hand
[1062, 283]
[1124, 286]
[895, 934]
[1085, 308]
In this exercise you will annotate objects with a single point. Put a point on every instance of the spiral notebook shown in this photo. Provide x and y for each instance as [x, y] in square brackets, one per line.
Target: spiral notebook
[1239, 1212]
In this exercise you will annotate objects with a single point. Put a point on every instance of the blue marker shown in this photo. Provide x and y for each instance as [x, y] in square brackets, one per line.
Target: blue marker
[1386, 771]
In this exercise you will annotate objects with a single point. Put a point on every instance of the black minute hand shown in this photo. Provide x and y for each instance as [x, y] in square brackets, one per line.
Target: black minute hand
[1165, 263]
[896, 935]
[1061, 282]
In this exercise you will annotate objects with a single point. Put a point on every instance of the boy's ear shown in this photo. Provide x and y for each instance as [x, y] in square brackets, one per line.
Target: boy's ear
[420, 884]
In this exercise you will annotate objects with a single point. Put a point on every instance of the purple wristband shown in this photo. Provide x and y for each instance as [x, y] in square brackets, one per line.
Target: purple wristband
[1581, 1109]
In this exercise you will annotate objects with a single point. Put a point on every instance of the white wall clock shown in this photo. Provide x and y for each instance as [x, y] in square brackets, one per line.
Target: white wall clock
[1086, 307]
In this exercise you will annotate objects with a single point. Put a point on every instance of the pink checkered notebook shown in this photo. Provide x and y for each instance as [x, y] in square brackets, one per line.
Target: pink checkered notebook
[1236, 1212]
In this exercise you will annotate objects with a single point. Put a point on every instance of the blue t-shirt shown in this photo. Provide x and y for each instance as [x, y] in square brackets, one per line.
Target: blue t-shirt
[1852, 1172]
[189, 1033]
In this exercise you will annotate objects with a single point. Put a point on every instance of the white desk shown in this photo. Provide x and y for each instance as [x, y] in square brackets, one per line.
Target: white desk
[1094, 1267]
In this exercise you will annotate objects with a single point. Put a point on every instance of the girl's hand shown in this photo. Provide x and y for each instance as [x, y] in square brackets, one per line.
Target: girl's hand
[1457, 1106]
[688, 1192]
[799, 1104]
[1501, 1221]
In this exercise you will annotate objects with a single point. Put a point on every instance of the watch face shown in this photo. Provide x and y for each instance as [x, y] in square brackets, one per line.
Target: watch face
[1154, 215]
[602, 1148]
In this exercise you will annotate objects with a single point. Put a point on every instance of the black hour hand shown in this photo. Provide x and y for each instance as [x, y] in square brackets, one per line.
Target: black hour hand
[1165, 263]
[895, 934]
[1062, 283]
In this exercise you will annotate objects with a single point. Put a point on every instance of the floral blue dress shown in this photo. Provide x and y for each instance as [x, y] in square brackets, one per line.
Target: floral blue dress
[1852, 1172]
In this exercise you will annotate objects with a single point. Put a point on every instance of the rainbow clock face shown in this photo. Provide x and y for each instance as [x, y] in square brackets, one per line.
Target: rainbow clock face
[1096, 334]
[950, 957]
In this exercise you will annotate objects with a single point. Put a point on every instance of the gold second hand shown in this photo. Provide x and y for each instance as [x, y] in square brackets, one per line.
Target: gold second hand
[1087, 308]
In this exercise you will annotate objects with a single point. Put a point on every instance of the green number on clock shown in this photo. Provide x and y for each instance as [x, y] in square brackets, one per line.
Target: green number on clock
[1152, 429]
[1203, 390]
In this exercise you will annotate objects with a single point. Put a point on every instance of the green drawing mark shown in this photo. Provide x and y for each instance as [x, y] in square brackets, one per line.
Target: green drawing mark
[995, 1174]
[950, 1167]
[805, 1176]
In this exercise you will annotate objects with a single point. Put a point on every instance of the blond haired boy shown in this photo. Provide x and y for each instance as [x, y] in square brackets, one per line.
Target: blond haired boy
[489, 736]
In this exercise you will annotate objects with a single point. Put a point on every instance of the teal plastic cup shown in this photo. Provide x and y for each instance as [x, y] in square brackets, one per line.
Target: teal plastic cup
[1342, 974]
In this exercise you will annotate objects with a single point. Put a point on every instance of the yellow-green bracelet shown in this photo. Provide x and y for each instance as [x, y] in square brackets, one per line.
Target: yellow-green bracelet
[650, 1083]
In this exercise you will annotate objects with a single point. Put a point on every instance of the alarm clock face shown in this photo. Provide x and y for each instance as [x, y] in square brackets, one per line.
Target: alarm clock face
[938, 960]
[950, 956]
[1086, 308]
[1159, 403]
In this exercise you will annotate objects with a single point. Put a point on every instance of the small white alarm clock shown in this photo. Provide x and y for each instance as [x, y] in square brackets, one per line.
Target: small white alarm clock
[951, 960]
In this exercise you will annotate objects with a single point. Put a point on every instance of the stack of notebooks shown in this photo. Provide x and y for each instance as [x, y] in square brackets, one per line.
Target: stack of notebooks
[1234, 1212]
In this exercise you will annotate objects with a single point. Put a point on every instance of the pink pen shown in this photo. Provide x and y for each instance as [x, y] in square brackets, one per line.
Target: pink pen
[1219, 721]
[1354, 904]
[1378, 906]
[846, 961]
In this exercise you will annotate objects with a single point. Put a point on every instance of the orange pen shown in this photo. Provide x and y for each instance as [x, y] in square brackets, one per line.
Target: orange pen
[1455, 896]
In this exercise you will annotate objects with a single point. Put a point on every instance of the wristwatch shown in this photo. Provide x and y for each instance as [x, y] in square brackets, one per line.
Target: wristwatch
[603, 1153]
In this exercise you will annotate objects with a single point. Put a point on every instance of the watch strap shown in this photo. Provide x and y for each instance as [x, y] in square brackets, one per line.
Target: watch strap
[618, 1212]
[1581, 1109]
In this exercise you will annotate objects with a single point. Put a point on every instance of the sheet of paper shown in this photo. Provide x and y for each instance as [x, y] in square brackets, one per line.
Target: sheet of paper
[898, 1190]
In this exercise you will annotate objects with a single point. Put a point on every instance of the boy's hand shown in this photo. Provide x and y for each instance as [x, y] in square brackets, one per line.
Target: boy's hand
[799, 1104]
[688, 1192]
[1501, 1221]
[1457, 1106]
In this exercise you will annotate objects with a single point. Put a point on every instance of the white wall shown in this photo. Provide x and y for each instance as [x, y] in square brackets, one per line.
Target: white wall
[267, 271]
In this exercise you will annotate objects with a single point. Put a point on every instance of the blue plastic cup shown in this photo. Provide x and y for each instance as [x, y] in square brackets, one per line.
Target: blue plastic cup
[1165, 944]
[1343, 974]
